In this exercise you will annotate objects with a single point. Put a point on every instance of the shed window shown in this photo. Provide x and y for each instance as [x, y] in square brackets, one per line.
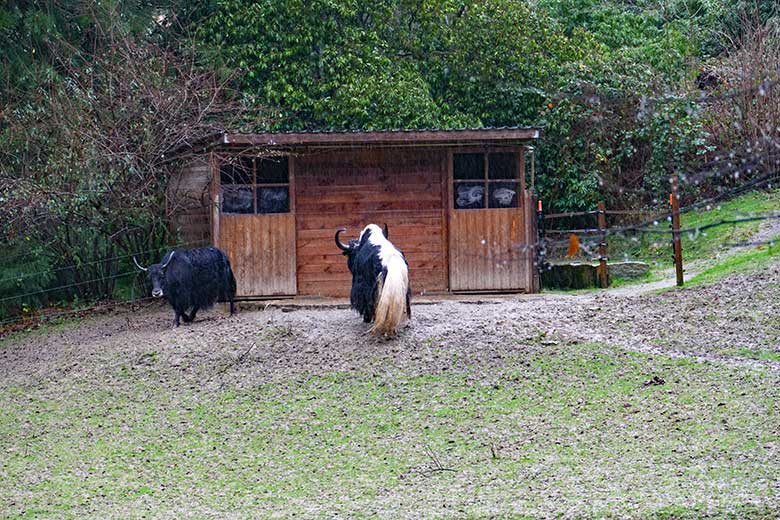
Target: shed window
[255, 185]
[485, 180]
[468, 166]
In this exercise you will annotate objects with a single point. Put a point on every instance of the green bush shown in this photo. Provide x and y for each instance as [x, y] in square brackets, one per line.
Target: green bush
[590, 72]
[25, 269]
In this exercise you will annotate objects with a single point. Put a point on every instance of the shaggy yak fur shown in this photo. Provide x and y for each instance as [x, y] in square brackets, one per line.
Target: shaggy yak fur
[380, 280]
[193, 280]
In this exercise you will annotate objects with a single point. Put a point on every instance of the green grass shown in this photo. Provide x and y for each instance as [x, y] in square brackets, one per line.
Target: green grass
[699, 249]
[555, 430]
[752, 259]
[761, 354]
[714, 240]
[705, 245]
[648, 277]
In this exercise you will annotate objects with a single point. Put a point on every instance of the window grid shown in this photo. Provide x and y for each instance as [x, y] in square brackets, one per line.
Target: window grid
[486, 181]
[255, 186]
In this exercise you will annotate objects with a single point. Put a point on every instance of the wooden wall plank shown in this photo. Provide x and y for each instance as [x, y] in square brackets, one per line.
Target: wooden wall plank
[187, 201]
[351, 189]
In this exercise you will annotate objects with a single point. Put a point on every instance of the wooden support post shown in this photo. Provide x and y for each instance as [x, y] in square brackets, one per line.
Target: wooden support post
[602, 270]
[674, 199]
[540, 251]
[214, 198]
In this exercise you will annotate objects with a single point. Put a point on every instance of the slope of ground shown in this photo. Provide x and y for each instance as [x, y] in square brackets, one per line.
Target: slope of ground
[582, 405]
[703, 248]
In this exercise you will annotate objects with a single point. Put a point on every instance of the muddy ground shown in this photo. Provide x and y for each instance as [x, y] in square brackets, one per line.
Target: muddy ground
[735, 321]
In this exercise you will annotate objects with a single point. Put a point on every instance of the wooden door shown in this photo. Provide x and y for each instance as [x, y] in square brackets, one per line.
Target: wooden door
[487, 223]
[255, 224]
[486, 250]
[261, 249]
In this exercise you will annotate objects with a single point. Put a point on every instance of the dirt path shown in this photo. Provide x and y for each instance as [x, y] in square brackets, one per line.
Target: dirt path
[638, 289]
[769, 230]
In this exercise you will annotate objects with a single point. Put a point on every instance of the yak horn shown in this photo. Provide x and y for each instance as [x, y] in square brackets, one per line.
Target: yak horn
[387, 235]
[139, 265]
[338, 242]
[169, 260]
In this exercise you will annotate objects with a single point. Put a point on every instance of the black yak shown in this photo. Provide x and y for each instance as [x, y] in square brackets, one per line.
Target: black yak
[192, 280]
[380, 279]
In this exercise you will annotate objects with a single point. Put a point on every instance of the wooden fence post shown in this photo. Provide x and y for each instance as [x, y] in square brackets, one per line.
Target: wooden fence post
[540, 251]
[674, 200]
[602, 269]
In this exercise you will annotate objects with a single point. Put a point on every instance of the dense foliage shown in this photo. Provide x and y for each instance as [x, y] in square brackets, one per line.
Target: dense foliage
[613, 83]
[86, 156]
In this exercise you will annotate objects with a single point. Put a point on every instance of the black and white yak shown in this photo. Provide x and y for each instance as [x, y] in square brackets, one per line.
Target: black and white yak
[192, 280]
[380, 279]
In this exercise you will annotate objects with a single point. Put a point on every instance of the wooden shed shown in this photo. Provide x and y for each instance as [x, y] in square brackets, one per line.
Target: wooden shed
[455, 202]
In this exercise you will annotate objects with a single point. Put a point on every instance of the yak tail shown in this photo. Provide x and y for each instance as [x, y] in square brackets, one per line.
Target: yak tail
[391, 297]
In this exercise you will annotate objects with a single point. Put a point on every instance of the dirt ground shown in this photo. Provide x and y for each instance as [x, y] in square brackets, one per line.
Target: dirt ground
[735, 321]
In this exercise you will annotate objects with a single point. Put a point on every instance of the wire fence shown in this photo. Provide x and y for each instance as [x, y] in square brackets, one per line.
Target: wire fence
[650, 219]
[67, 286]
[61, 300]
[552, 244]
[24, 276]
[637, 229]
[649, 235]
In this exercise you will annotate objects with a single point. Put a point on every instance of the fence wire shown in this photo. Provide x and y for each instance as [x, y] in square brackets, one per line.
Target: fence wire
[24, 276]
[543, 249]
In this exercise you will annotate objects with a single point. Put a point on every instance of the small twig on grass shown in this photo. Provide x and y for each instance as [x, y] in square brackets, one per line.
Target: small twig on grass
[244, 354]
[239, 359]
[277, 334]
[436, 462]
[493, 451]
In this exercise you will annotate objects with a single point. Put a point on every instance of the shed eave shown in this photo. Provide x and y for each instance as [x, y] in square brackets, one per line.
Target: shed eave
[400, 137]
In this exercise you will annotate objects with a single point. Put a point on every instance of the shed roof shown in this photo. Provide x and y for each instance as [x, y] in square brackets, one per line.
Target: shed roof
[461, 136]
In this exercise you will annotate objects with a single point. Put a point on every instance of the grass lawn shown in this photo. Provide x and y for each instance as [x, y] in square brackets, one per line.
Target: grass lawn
[569, 431]
[742, 262]
[718, 239]
[711, 252]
